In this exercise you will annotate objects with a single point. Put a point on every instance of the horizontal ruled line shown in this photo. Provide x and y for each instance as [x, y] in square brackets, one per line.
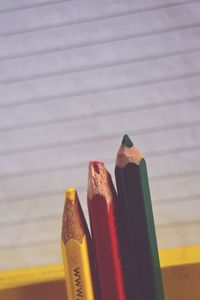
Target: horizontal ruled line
[31, 6]
[96, 42]
[31, 220]
[57, 241]
[174, 175]
[107, 113]
[99, 138]
[101, 90]
[36, 172]
[54, 217]
[172, 151]
[64, 72]
[178, 224]
[93, 19]
[33, 196]
[41, 171]
[45, 218]
[39, 243]
[163, 201]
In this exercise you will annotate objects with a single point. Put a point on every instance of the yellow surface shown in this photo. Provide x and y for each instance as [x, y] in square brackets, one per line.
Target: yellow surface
[11, 279]
[180, 271]
[180, 256]
[70, 194]
[77, 270]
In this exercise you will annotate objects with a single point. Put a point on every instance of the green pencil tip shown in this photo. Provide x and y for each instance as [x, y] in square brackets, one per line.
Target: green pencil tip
[127, 141]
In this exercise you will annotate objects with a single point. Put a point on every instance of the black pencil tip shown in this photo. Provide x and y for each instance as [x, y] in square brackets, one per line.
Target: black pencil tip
[127, 141]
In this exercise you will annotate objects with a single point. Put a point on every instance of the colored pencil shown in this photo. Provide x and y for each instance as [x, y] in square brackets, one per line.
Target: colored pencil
[142, 273]
[101, 200]
[76, 250]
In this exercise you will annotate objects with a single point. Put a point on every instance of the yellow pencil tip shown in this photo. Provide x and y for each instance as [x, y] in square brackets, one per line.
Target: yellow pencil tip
[70, 194]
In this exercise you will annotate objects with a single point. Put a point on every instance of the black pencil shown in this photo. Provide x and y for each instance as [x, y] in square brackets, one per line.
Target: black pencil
[137, 238]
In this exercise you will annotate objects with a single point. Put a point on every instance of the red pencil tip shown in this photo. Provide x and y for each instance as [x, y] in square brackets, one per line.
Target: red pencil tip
[95, 164]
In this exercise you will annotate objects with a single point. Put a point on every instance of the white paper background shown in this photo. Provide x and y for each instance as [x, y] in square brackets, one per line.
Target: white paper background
[75, 76]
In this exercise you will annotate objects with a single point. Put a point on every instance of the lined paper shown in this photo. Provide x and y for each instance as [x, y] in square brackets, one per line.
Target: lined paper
[77, 75]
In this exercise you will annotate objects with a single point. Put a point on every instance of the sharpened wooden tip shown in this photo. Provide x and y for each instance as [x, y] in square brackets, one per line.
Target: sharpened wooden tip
[99, 181]
[96, 165]
[128, 153]
[70, 195]
[127, 141]
[72, 222]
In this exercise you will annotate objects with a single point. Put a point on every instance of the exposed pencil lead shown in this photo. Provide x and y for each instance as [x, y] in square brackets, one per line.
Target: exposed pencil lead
[127, 141]
[70, 195]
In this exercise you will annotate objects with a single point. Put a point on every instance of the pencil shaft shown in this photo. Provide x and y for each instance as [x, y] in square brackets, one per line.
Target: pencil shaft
[106, 249]
[75, 246]
[101, 200]
[132, 183]
[77, 270]
[126, 239]
[154, 256]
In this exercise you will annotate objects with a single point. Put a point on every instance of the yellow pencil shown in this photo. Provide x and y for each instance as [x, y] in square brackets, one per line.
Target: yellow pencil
[75, 250]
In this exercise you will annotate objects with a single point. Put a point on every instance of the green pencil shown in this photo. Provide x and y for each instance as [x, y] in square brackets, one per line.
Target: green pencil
[138, 246]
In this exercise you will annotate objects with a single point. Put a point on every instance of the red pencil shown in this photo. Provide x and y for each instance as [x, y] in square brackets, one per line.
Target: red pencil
[101, 199]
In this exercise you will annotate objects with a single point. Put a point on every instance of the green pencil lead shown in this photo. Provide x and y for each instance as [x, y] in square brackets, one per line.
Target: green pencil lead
[127, 141]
